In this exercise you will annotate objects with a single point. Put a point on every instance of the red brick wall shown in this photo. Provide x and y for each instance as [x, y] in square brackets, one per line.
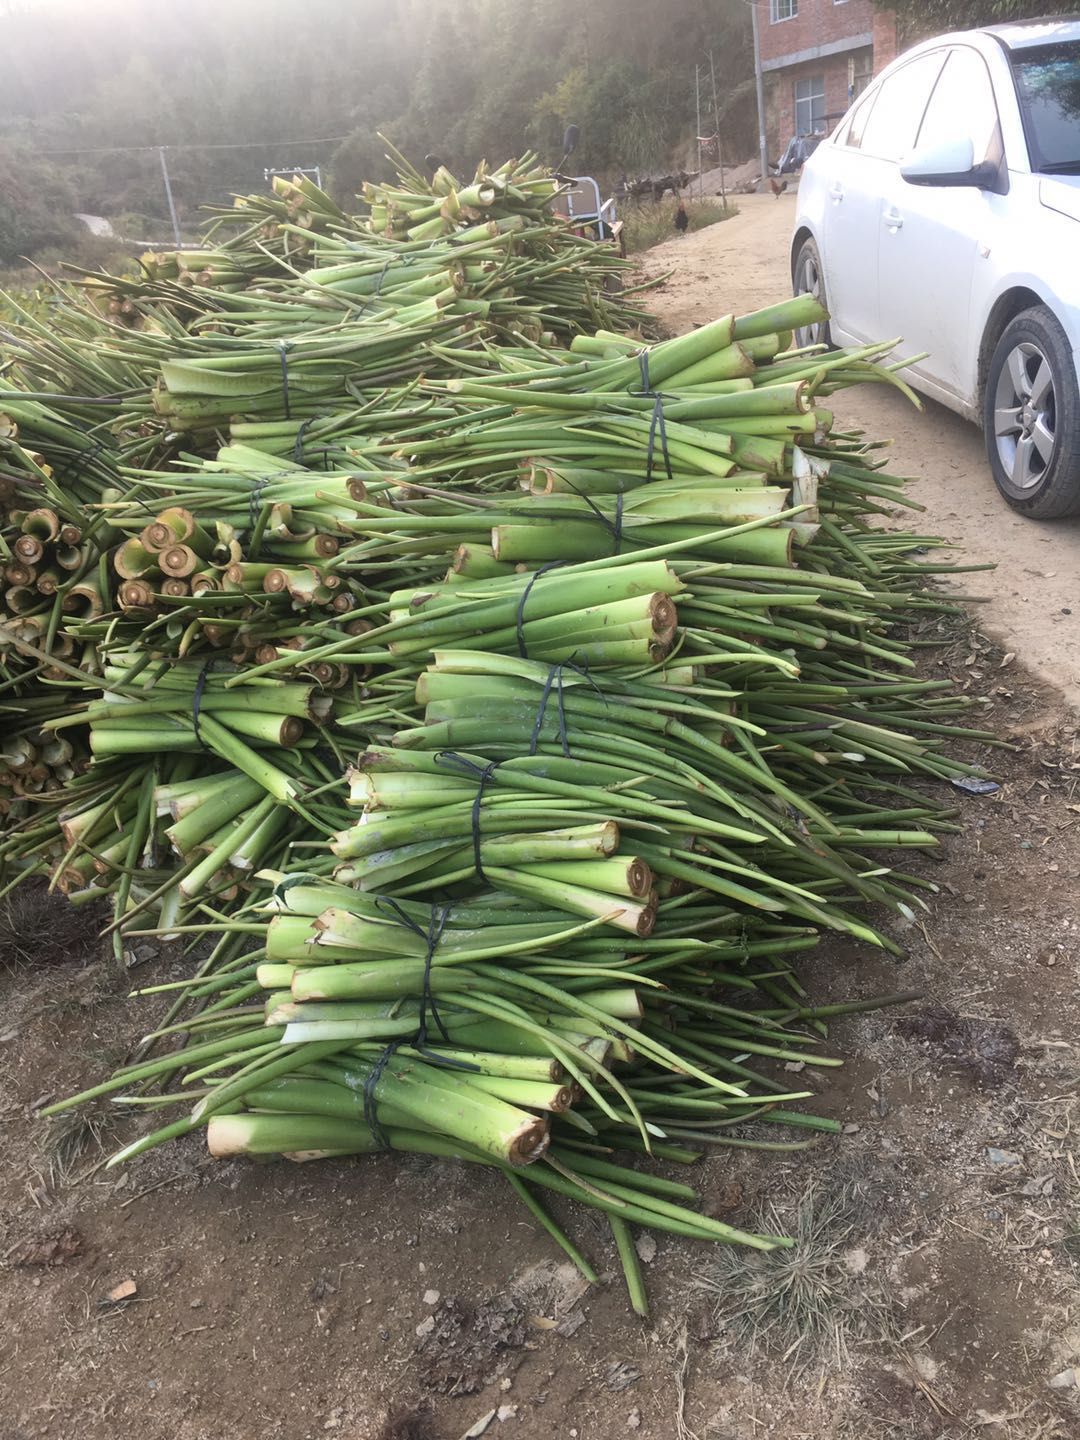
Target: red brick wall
[886, 43]
[818, 23]
[780, 97]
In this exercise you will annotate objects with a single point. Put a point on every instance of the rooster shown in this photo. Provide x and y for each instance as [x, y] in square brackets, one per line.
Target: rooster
[682, 220]
[777, 186]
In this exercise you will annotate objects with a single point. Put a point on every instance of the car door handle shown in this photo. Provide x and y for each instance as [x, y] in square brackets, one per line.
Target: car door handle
[836, 194]
[893, 219]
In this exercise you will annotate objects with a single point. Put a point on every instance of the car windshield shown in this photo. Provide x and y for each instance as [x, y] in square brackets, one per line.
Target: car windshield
[1048, 84]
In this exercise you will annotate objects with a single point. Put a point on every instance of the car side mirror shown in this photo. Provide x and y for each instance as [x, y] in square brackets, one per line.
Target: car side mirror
[948, 163]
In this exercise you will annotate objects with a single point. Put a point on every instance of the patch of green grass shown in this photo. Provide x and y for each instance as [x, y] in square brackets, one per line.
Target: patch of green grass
[648, 224]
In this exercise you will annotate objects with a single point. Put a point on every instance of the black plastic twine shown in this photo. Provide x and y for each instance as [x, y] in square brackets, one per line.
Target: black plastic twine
[614, 526]
[298, 443]
[657, 425]
[255, 500]
[284, 346]
[519, 624]
[431, 937]
[482, 773]
[299, 458]
[554, 682]
[98, 443]
[390, 260]
[371, 1106]
[196, 699]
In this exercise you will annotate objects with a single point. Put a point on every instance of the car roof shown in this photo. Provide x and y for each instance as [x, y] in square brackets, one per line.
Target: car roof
[1012, 37]
[1022, 34]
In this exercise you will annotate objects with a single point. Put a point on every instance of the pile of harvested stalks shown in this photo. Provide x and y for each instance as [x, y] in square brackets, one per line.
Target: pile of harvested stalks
[508, 699]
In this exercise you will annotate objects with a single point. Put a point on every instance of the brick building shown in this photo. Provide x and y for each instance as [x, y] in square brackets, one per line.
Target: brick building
[817, 55]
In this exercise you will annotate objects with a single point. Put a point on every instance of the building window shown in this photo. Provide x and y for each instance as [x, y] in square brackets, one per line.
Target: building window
[860, 73]
[783, 10]
[810, 105]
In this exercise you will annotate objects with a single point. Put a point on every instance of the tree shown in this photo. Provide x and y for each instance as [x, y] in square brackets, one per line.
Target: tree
[36, 206]
[917, 19]
[224, 86]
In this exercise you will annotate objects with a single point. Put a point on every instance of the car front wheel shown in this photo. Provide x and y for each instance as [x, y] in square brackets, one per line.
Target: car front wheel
[1031, 417]
[808, 277]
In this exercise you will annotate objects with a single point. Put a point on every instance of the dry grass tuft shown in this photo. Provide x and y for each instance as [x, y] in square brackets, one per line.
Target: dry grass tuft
[410, 1422]
[804, 1306]
[71, 1136]
[39, 928]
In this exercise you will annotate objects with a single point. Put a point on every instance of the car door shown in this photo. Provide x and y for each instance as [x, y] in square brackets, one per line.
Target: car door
[861, 167]
[931, 237]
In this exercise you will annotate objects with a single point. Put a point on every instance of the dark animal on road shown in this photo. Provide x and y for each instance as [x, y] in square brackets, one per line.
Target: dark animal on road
[682, 220]
[674, 183]
[655, 188]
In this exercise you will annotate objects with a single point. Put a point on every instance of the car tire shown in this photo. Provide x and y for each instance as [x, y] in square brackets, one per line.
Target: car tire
[1031, 417]
[808, 278]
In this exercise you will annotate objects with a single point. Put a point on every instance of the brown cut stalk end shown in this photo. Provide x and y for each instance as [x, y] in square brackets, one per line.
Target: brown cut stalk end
[179, 561]
[529, 1141]
[135, 595]
[156, 537]
[664, 615]
[29, 548]
[639, 877]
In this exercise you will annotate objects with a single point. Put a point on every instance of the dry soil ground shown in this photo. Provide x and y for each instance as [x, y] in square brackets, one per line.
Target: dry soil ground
[936, 1292]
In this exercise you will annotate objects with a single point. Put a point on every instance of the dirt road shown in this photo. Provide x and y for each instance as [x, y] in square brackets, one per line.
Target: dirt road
[1033, 607]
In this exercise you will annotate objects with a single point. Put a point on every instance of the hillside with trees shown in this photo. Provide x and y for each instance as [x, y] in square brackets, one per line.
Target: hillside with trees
[233, 86]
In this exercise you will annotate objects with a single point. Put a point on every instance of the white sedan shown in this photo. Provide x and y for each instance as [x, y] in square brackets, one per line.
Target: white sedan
[946, 208]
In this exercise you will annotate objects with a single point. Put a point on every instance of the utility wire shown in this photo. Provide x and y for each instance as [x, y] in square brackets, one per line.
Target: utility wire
[190, 145]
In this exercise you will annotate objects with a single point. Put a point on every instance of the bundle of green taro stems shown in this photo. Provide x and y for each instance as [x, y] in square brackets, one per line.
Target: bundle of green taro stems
[295, 310]
[517, 724]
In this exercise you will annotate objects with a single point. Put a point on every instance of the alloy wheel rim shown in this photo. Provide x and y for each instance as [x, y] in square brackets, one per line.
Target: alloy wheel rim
[808, 282]
[1025, 416]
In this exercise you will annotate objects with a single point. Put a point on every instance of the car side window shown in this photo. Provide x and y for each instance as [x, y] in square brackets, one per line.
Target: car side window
[855, 125]
[963, 105]
[894, 120]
